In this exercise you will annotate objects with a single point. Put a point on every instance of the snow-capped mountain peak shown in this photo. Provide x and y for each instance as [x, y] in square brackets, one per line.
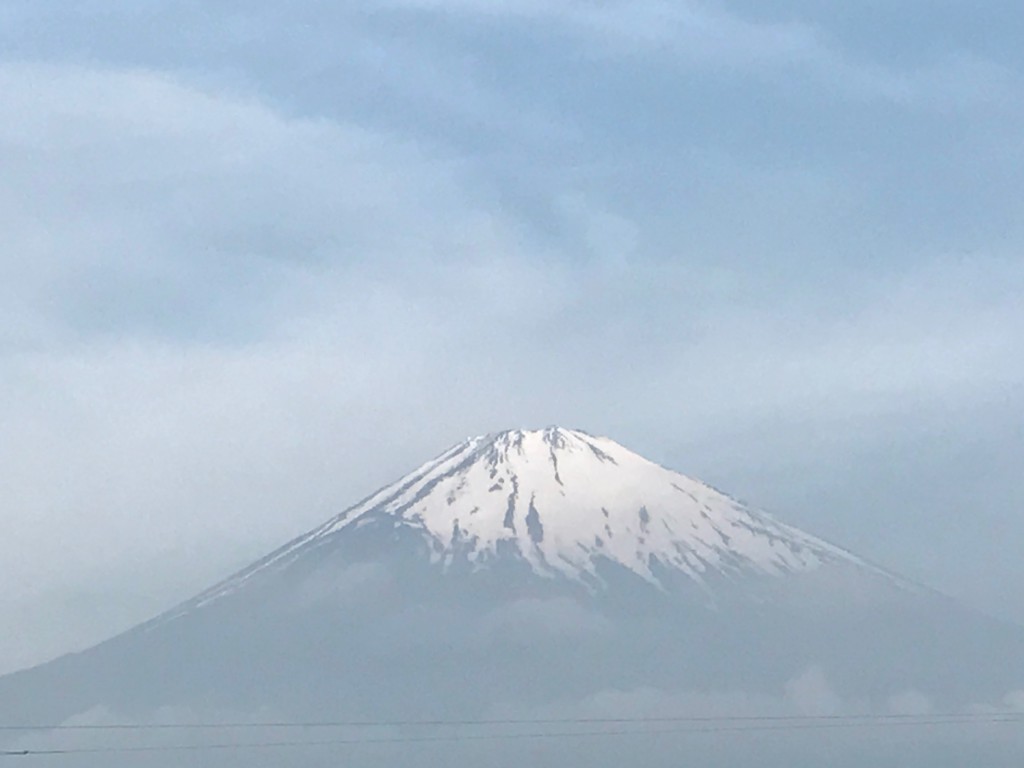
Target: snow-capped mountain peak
[565, 502]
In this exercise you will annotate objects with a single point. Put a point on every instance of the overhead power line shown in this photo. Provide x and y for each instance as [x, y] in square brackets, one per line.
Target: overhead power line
[695, 726]
[478, 722]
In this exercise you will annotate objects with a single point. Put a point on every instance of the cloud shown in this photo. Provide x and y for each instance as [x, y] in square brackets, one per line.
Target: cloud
[808, 697]
[910, 703]
[347, 586]
[688, 29]
[222, 323]
[129, 185]
[1015, 700]
[807, 716]
[810, 694]
[704, 35]
[526, 619]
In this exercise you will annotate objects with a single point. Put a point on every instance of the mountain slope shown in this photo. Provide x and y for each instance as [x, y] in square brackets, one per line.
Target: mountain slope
[531, 566]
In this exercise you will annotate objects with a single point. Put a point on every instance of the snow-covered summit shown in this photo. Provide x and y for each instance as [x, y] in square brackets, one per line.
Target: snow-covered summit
[565, 502]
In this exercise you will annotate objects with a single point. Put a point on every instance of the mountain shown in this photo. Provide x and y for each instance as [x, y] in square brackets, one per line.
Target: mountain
[567, 505]
[527, 567]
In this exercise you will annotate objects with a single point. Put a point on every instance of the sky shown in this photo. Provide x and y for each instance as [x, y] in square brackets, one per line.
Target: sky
[259, 259]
